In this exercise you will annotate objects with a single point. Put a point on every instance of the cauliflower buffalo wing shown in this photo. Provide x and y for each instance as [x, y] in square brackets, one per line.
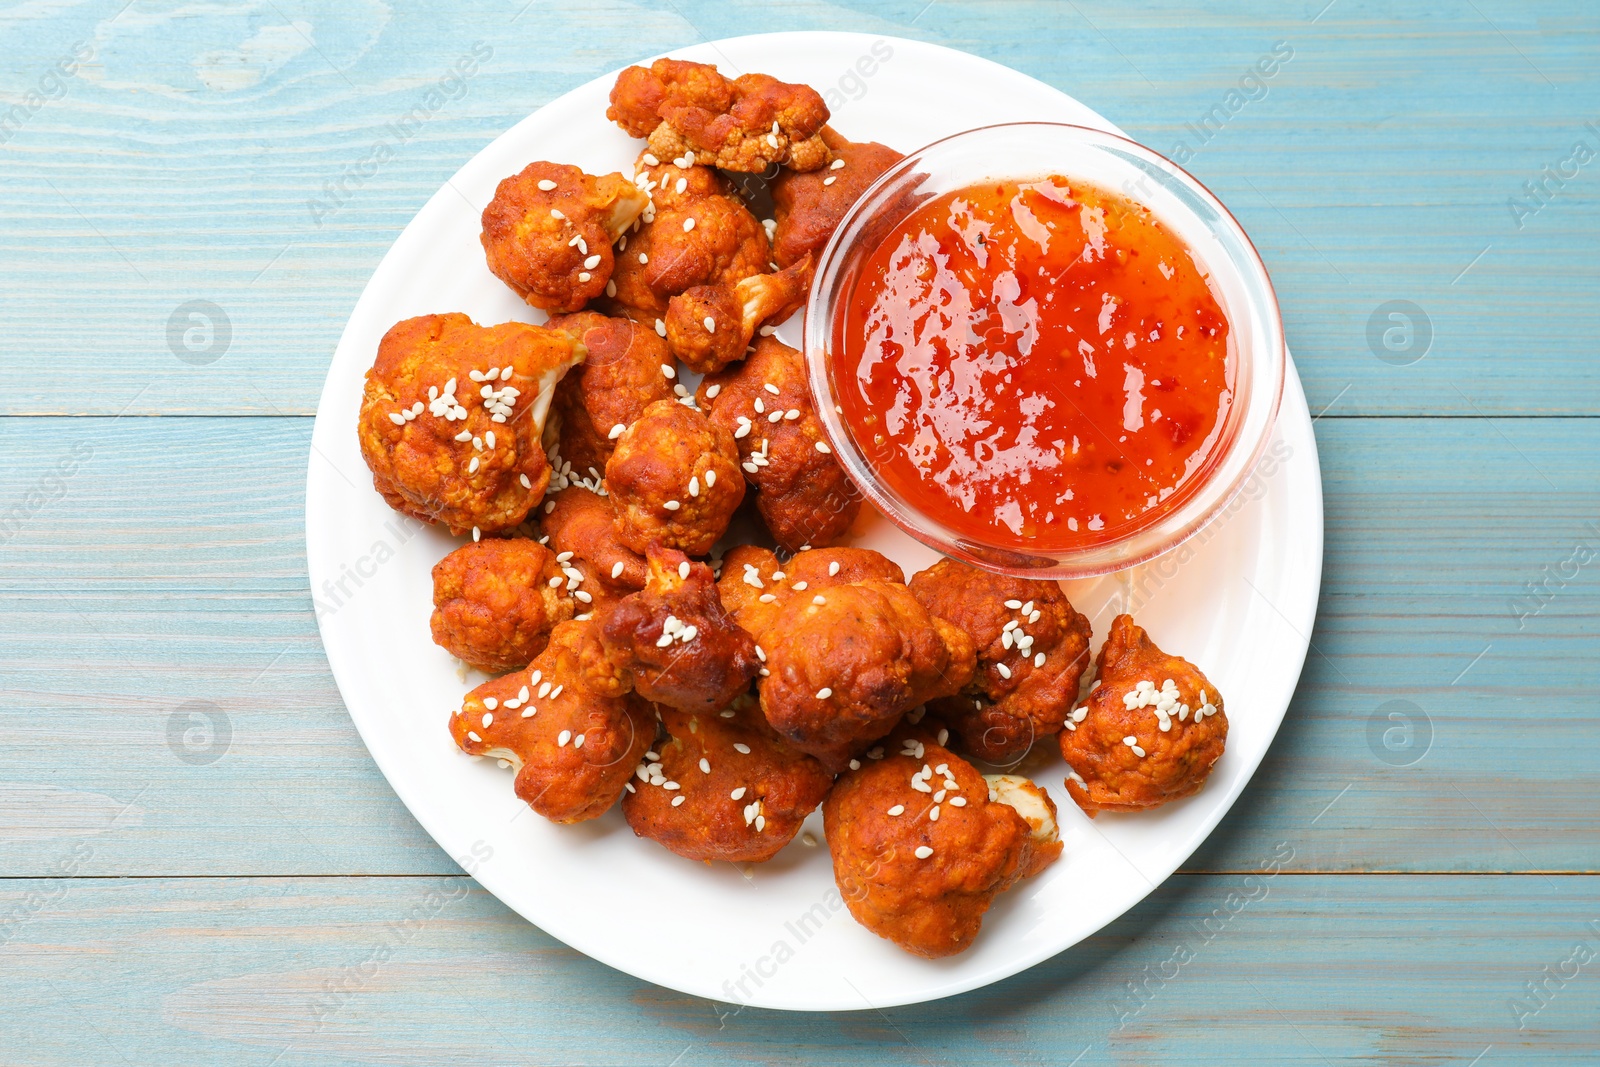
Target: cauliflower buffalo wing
[672, 642]
[843, 662]
[921, 846]
[1151, 731]
[620, 377]
[452, 417]
[765, 403]
[674, 479]
[746, 124]
[723, 786]
[1033, 648]
[494, 604]
[809, 206]
[573, 750]
[548, 232]
[695, 232]
[580, 527]
[710, 326]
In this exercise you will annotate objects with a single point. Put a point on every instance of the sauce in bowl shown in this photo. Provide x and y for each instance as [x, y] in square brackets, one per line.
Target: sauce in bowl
[1040, 362]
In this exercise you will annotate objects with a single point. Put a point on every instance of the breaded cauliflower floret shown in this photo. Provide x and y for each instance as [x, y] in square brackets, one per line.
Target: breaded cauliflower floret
[452, 419]
[494, 605]
[765, 402]
[674, 480]
[809, 206]
[704, 235]
[921, 847]
[1151, 731]
[723, 786]
[747, 124]
[710, 326]
[580, 526]
[1033, 648]
[548, 232]
[672, 642]
[843, 664]
[620, 377]
[573, 750]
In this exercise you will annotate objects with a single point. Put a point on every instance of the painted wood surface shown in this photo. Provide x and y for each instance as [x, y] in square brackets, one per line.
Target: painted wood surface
[199, 862]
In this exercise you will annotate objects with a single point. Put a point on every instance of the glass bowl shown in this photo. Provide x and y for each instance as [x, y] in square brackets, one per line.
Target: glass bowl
[1030, 150]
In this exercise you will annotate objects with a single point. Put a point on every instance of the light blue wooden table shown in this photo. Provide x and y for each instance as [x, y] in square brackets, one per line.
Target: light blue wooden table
[199, 863]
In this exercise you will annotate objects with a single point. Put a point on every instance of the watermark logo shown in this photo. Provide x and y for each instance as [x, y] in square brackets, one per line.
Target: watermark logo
[1399, 332]
[1399, 733]
[199, 332]
[199, 733]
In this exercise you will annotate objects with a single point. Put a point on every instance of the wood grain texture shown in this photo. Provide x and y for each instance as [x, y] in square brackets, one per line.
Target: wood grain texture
[1286, 970]
[1375, 165]
[199, 862]
[171, 570]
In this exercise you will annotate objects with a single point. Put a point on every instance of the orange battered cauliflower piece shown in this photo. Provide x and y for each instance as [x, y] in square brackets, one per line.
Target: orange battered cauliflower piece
[620, 377]
[710, 326]
[573, 750]
[1033, 648]
[696, 232]
[843, 664]
[494, 605]
[674, 479]
[549, 229]
[723, 786]
[808, 207]
[765, 403]
[452, 417]
[747, 124]
[580, 527]
[672, 642]
[1151, 731]
[921, 846]
[756, 588]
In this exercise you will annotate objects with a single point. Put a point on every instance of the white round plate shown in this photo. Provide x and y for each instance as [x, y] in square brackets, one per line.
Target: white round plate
[1238, 600]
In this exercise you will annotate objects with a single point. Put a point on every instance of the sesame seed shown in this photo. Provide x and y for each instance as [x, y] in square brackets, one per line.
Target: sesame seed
[958, 802]
[829, 180]
[583, 275]
[592, 262]
[491, 703]
[923, 852]
[823, 448]
[737, 794]
[528, 713]
[643, 258]
[761, 409]
[661, 328]
[824, 693]
[741, 748]
[855, 765]
[1005, 672]
[898, 809]
[397, 418]
[477, 534]
[933, 816]
[488, 719]
[709, 323]
[473, 737]
[616, 569]
[836, 164]
[472, 468]
[577, 742]
[683, 183]
[798, 586]
[555, 581]
[650, 160]
[562, 738]
[611, 287]
[669, 786]
[688, 224]
[672, 505]
[678, 800]
[819, 600]
[668, 370]
[546, 184]
[705, 765]
[617, 431]
[683, 570]
[544, 690]
[766, 598]
[555, 213]
[761, 823]
[526, 483]
[583, 597]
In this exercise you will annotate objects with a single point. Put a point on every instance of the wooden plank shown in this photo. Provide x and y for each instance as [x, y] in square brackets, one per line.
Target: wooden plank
[1376, 165]
[1298, 969]
[170, 570]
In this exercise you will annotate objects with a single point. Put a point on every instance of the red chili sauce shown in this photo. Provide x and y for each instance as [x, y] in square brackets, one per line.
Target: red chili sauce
[1037, 363]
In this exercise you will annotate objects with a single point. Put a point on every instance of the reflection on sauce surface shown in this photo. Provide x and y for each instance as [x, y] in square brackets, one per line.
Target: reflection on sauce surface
[1036, 363]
